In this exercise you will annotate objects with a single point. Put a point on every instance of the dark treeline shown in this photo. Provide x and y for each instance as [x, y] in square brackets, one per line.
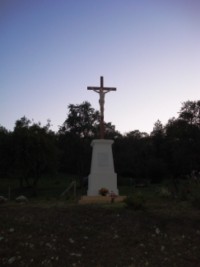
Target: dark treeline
[31, 150]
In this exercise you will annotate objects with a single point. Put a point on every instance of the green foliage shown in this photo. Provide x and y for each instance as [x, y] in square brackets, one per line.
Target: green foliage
[190, 112]
[183, 147]
[184, 193]
[32, 150]
[49, 187]
[164, 192]
[135, 202]
[82, 120]
[196, 202]
[5, 152]
[195, 194]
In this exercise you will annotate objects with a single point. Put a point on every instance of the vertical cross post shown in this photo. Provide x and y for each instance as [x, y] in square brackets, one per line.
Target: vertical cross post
[102, 131]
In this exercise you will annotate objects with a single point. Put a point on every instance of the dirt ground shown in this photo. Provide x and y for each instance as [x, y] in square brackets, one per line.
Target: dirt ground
[98, 236]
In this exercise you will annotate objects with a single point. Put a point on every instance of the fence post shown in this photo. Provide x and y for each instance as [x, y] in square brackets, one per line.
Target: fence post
[9, 192]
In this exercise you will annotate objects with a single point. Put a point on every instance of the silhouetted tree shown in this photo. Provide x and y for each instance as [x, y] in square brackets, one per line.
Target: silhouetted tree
[34, 151]
[82, 120]
[131, 154]
[190, 112]
[75, 136]
[183, 143]
[5, 152]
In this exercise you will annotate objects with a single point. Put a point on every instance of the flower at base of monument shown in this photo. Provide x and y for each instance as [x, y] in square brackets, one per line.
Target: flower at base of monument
[103, 191]
[112, 195]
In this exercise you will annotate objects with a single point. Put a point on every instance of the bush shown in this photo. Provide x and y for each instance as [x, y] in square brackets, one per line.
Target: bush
[164, 192]
[184, 194]
[135, 202]
[196, 202]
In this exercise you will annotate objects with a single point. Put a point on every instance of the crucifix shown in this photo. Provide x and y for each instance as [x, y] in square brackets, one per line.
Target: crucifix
[101, 91]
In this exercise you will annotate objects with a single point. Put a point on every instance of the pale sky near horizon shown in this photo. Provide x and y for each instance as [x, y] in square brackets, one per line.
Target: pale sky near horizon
[50, 51]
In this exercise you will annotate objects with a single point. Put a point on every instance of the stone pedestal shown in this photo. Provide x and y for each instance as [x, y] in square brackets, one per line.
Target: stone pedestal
[102, 168]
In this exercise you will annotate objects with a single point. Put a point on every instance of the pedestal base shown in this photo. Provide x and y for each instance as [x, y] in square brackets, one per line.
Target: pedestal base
[100, 199]
[102, 168]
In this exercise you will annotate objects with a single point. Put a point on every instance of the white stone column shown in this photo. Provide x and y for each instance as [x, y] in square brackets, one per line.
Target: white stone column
[102, 168]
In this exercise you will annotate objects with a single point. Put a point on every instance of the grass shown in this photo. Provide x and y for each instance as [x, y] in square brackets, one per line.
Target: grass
[50, 188]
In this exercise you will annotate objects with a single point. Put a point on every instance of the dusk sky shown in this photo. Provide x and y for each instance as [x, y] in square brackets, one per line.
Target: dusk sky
[50, 51]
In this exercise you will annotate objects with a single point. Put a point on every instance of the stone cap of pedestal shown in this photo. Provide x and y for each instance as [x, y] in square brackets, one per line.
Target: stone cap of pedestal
[102, 142]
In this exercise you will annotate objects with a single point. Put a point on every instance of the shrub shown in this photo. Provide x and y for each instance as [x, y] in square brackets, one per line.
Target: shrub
[196, 202]
[184, 194]
[164, 192]
[135, 202]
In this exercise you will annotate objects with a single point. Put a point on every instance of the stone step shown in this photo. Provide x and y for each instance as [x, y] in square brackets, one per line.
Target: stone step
[100, 199]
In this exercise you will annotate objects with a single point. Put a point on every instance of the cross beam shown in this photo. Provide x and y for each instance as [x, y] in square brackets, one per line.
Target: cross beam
[101, 91]
[101, 87]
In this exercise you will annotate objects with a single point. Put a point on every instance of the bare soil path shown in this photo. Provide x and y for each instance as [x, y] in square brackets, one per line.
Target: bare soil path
[96, 236]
